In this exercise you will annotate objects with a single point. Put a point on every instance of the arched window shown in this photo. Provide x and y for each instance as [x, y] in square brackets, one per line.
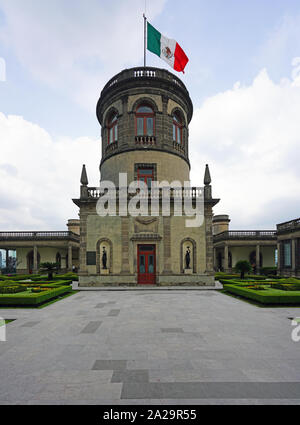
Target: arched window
[177, 128]
[112, 129]
[145, 122]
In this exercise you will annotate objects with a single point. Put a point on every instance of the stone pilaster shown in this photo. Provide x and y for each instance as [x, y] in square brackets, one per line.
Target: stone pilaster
[125, 245]
[82, 249]
[209, 240]
[167, 245]
[124, 124]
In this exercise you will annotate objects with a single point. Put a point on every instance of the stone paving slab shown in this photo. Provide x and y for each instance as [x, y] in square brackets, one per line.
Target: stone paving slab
[179, 347]
[221, 390]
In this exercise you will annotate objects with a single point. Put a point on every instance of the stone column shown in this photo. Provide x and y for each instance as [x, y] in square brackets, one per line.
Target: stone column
[63, 263]
[226, 258]
[70, 258]
[35, 260]
[125, 270]
[278, 258]
[257, 259]
[293, 246]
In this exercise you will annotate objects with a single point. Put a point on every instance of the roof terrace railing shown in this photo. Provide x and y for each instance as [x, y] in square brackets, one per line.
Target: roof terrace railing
[246, 235]
[6, 236]
[289, 225]
[141, 72]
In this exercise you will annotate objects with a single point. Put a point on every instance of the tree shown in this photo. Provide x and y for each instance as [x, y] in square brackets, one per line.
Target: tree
[243, 267]
[50, 268]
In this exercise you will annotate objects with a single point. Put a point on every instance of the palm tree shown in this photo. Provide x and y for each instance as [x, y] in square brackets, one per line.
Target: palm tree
[243, 267]
[50, 268]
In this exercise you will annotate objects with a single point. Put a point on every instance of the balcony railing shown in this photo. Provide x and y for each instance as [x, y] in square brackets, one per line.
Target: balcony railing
[111, 147]
[145, 140]
[193, 192]
[178, 147]
[9, 236]
[246, 235]
[289, 225]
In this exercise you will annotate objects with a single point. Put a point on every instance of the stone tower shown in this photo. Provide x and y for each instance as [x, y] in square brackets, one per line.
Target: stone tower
[144, 115]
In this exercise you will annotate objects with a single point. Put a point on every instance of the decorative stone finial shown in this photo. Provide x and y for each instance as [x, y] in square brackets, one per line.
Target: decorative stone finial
[207, 178]
[84, 180]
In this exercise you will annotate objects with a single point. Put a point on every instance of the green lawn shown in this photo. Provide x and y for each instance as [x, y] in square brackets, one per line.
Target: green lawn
[5, 321]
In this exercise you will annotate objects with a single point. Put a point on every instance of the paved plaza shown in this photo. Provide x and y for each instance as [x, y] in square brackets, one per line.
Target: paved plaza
[142, 347]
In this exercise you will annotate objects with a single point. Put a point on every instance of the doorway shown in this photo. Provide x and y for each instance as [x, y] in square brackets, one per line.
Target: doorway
[146, 264]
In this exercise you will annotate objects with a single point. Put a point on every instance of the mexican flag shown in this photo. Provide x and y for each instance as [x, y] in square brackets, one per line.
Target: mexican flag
[166, 48]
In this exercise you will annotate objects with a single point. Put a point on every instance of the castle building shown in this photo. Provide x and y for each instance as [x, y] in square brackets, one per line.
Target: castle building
[259, 247]
[288, 247]
[144, 115]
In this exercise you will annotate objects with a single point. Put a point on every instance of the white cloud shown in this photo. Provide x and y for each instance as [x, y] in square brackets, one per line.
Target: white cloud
[250, 136]
[39, 175]
[65, 45]
[281, 44]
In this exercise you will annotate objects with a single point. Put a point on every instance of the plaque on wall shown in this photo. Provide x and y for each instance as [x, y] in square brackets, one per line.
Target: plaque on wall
[91, 258]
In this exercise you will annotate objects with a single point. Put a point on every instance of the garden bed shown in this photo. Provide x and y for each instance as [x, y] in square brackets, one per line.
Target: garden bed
[265, 294]
[29, 298]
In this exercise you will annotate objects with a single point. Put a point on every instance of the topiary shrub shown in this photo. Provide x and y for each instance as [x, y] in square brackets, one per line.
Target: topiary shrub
[243, 267]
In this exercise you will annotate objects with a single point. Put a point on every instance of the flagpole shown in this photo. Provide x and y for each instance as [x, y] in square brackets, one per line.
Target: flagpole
[145, 37]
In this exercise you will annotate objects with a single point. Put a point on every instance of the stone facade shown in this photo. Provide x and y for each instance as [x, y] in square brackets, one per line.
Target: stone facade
[233, 246]
[33, 248]
[288, 247]
[163, 151]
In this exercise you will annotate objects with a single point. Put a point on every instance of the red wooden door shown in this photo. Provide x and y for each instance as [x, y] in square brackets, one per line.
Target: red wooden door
[146, 264]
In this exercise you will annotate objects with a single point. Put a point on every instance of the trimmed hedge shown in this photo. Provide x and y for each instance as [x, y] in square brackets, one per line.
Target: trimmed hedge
[219, 276]
[13, 289]
[269, 296]
[32, 299]
[268, 271]
[67, 276]
[50, 283]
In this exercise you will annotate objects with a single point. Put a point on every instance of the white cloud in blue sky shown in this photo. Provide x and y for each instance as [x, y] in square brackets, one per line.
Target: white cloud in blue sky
[60, 53]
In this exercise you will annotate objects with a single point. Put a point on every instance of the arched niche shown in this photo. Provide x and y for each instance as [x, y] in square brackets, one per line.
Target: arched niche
[104, 245]
[186, 244]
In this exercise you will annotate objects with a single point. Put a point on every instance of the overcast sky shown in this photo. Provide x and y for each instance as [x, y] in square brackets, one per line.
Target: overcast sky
[243, 78]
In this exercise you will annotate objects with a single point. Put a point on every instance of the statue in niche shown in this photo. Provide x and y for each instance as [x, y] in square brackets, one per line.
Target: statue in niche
[104, 259]
[188, 258]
